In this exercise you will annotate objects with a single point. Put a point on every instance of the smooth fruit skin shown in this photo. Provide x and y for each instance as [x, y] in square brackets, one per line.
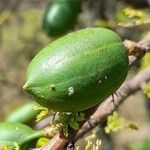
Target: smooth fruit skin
[78, 71]
[60, 16]
[24, 113]
[14, 132]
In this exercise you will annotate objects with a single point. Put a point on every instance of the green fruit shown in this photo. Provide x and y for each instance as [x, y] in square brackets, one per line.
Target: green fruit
[12, 133]
[23, 114]
[60, 16]
[78, 71]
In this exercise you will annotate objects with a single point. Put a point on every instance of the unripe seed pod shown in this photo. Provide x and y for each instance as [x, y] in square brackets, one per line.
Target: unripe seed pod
[24, 113]
[14, 133]
[78, 71]
[60, 16]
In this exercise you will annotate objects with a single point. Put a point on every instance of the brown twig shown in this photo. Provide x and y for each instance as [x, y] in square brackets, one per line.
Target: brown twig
[137, 50]
[58, 142]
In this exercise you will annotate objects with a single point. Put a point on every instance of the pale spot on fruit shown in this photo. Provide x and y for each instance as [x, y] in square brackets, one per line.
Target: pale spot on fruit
[99, 82]
[71, 91]
[105, 77]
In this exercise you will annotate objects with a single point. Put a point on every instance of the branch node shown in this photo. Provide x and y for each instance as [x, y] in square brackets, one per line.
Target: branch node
[135, 49]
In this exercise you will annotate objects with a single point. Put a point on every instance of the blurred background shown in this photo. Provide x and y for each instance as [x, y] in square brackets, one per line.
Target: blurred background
[24, 30]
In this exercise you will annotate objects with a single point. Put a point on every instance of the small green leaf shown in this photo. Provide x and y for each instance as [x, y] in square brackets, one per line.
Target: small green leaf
[74, 124]
[114, 123]
[133, 126]
[147, 90]
[145, 61]
[81, 117]
[131, 17]
[65, 120]
[42, 141]
[39, 107]
[65, 129]
[4, 147]
[144, 64]
[133, 13]
[16, 146]
[43, 112]
[41, 115]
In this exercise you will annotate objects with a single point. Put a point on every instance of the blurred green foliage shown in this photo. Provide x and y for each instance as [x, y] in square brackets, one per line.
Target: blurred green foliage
[42, 112]
[22, 31]
[42, 141]
[144, 64]
[21, 37]
[114, 123]
[147, 90]
[145, 61]
[140, 145]
[65, 120]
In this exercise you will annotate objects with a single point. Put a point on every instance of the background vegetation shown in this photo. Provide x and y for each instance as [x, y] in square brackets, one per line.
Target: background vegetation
[21, 37]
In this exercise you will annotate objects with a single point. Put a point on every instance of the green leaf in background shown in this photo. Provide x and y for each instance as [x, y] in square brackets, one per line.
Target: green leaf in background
[4, 147]
[133, 13]
[73, 124]
[147, 90]
[131, 17]
[43, 112]
[65, 120]
[145, 61]
[114, 123]
[42, 141]
[144, 64]
[140, 145]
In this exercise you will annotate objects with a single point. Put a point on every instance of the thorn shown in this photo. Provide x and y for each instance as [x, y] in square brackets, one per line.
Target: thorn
[88, 120]
[53, 117]
[112, 100]
[117, 94]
